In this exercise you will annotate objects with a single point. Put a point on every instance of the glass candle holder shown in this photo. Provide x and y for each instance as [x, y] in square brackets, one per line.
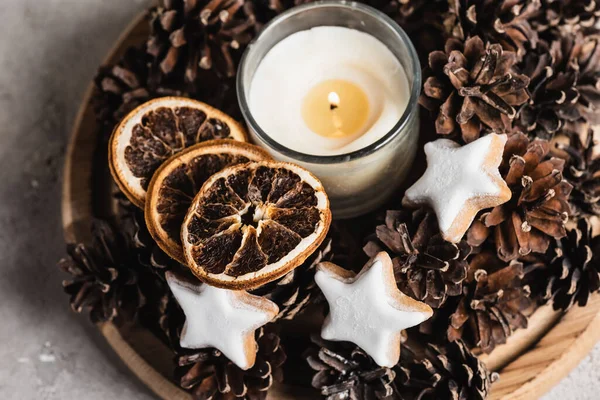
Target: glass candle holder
[361, 180]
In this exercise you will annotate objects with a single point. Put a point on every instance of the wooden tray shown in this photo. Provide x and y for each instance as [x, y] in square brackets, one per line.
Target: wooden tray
[532, 361]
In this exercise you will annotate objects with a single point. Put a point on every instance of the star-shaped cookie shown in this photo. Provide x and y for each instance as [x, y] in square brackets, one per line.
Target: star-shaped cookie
[221, 318]
[460, 181]
[368, 309]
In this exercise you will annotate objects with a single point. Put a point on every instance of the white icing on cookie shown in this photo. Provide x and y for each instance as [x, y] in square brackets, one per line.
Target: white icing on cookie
[368, 309]
[460, 181]
[221, 318]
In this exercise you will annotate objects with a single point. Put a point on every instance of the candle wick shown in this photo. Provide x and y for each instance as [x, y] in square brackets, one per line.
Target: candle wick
[334, 103]
[334, 100]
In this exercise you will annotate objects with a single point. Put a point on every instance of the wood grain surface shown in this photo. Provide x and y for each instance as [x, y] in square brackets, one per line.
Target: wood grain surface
[533, 360]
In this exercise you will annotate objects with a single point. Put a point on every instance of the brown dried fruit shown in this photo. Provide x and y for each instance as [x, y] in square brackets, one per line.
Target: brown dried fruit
[155, 131]
[251, 224]
[178, 180]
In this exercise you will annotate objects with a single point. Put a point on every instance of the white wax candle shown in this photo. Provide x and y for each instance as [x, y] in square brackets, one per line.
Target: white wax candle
[304, 59]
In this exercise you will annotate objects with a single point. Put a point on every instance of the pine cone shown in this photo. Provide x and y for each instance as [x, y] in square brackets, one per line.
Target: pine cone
[422, 20]
[567, 16]
[587, 56]
[344, 371]
[170, 319]
[493, 303]
[149, 253]
[564, 89]
[426, 267]
[408, 9]
[551, 91]
[347, 238]
[448, 371]
[208, 374]
[293, 292]
[132, 224]
[125, 85]
[501, 21]
[210, 35]
[471, 86]
[538, 209]
[164, 317]
[572, 274]
[583, 172]
[105, 280]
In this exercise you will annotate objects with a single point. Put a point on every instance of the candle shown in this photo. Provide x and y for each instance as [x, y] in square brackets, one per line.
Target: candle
[316, 94]
[333, 86]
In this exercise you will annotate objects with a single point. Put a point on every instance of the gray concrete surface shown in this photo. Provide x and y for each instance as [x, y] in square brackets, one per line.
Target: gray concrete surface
[49, 50]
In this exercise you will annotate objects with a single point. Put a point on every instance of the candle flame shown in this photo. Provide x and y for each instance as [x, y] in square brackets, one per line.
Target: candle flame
[334, 100]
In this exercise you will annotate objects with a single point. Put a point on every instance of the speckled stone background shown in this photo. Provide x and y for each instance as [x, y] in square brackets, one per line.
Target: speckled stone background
[49, 50]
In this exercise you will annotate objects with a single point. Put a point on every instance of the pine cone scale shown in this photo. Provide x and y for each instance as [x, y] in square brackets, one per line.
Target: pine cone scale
[547, 225]
[434, 88]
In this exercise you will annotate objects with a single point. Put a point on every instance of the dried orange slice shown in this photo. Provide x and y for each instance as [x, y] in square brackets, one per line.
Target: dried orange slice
[251, 224]
[155, 131]
[180, 178]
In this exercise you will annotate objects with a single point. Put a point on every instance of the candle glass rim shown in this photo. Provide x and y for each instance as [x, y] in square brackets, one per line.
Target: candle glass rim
[397, 129]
